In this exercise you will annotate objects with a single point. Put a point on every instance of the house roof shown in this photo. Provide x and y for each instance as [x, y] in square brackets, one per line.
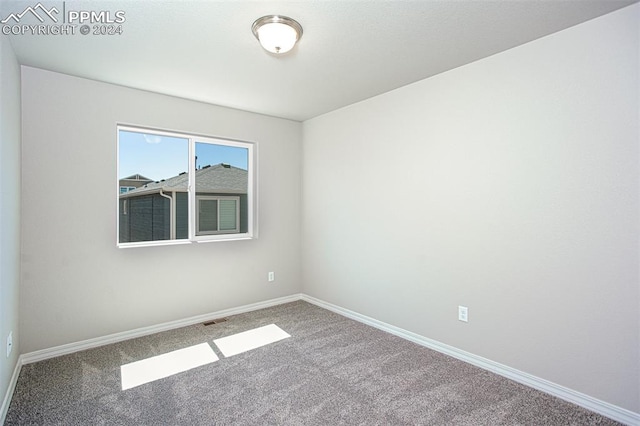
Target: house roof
[136, 177]
[219, 178]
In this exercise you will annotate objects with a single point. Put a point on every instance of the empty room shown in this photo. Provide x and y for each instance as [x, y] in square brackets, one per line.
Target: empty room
[320, 212]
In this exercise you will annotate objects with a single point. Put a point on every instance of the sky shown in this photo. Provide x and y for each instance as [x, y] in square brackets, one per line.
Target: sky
[161, 157]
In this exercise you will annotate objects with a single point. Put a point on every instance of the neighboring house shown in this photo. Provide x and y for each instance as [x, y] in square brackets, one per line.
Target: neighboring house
[159, 210]
[132, 182]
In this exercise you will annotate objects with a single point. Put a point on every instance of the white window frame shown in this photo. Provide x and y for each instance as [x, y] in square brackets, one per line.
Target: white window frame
[252, 228]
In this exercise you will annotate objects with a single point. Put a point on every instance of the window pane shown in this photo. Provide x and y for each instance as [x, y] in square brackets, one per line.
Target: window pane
[152, 171]
[208, 215]
[222, 173]
[228, 215]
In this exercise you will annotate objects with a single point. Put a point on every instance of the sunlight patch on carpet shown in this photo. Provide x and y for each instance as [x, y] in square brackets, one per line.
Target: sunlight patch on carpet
[165, 365]
[251, 339]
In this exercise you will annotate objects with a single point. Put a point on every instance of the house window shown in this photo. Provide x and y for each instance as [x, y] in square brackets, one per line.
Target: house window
[189, 188]
[217, 215]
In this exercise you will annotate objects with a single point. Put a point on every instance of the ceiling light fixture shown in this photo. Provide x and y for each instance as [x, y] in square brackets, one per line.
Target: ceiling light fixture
[277, 34]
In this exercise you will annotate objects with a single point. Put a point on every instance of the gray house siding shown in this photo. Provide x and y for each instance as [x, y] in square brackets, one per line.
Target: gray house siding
[146, 218]
[145, 215]
[244, 213]
[182, 215]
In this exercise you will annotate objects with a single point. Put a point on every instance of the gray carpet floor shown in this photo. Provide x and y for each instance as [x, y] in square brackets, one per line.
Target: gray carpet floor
[331, 371]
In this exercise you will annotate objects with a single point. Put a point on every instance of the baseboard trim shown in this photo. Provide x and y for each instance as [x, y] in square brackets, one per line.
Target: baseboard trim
[606, 409]
[12, 387]
[145, 331]
[614, 412]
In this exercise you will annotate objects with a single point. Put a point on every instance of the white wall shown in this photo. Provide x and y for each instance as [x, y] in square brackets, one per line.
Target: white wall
[9, 209]
[509, 185]
[75, 283]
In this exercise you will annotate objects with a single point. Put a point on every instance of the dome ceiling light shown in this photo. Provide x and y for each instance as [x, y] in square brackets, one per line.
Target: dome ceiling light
[276, 33]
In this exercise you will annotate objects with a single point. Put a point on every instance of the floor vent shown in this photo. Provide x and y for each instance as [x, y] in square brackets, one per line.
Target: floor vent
[215, 321]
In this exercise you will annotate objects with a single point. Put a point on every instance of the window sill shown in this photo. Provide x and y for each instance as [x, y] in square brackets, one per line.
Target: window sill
[198, 240]
[237, 237]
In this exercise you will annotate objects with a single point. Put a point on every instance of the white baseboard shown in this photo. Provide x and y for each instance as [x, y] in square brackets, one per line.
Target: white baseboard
[614, 412]
[44, 354]
[145, 331]
[9, 394]
[606, 409]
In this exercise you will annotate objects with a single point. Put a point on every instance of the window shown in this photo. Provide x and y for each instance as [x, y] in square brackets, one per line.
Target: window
[216, 215]
[189, 188]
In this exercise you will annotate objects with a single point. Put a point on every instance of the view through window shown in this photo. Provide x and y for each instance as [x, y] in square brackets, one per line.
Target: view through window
[176, 187]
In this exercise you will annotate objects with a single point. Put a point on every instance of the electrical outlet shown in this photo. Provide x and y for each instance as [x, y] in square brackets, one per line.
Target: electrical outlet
[272, 276]
[9, 343]
[463, 313]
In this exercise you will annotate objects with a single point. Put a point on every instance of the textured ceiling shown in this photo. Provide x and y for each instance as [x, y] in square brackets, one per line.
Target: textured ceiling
[350, 50]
